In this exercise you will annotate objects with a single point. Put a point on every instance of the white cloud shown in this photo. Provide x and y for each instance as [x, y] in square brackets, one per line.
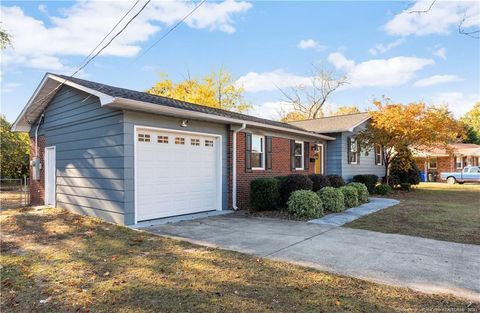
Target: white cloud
[42, 8]
[442, 18]
[441, 53]
[268, 81]
[457, 102]
[436, 79]
[381, 48]
[271, 110]
[310, 44]
[10, 87]
[80, 28]
[379, 72]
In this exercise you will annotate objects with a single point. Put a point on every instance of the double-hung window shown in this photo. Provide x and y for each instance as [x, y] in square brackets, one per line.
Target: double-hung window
[298, 155]
[258, 152]
[378, 155]
[432, 163]
[353, 151]
[458, 163]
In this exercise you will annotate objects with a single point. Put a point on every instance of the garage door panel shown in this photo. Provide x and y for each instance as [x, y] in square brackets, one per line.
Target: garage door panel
[174, 178]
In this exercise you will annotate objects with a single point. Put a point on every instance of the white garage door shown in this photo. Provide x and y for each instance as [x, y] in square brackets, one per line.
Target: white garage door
[177, 173]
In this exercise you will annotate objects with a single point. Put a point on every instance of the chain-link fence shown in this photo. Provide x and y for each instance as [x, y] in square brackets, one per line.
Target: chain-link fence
[14, 193]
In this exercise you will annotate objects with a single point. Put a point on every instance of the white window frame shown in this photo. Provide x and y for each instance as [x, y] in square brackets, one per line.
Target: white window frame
[302, 155]
[430, 161]
[456, 163]
[379, 154]
[262, 138]
[354, 153]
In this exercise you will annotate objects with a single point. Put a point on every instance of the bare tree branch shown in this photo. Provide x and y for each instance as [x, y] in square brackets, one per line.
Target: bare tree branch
[308, 101]
[474, 34]
[424, 11]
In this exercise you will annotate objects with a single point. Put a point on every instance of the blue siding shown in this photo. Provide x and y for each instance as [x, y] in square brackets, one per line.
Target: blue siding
[89, 154]
[337, 162]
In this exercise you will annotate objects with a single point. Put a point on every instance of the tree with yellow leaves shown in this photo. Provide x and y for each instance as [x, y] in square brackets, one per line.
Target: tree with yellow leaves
[217, 90]
[396, 126]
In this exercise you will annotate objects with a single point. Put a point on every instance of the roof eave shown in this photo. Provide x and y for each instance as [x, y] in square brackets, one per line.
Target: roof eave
[129, 104]
[22, 124]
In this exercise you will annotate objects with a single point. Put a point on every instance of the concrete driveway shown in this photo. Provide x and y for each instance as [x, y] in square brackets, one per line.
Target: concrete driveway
[425, 265]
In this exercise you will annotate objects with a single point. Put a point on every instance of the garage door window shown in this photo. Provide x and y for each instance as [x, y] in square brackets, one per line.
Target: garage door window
[144, 137]
[195, 142]
[208, 143]
[179, 140]
[162, 139]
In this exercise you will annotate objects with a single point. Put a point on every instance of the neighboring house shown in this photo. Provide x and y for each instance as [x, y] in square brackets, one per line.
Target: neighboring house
[127, 156]
[343, 156]
[437, 160]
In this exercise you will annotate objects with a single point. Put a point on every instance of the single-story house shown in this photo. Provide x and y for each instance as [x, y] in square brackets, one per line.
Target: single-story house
[343, 156]
[434, 161]
[127, 156]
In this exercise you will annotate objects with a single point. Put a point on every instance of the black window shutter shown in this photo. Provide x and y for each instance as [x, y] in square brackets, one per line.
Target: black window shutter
[292, 154]
[248, 152]
[269, 151]
[358, 152]
[349, 148]
[306, 155]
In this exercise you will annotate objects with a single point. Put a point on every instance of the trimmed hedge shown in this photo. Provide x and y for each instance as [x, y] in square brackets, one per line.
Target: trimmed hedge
[332, 199]
[305, 203]
[336, 181]
[264, 194]
[406, 186]
[369, 180]
[319, 181]
[383, 189]
[350, 195]
[362, 191]
[292, 183]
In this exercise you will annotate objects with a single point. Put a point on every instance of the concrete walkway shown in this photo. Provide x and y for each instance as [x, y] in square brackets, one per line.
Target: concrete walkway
[339, 219]
[426, 265]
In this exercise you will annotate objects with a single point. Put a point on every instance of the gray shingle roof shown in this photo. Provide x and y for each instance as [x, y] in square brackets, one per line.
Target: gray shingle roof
[169, 102]
[333, 124]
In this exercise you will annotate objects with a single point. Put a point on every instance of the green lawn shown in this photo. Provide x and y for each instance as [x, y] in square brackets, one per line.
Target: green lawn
[80, 264]
[433, 210]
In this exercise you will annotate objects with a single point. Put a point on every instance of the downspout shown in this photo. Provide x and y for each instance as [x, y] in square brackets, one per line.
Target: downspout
[234, 166]
[36, 134]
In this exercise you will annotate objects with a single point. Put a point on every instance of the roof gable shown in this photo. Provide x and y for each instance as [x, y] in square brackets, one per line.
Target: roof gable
[334, 124]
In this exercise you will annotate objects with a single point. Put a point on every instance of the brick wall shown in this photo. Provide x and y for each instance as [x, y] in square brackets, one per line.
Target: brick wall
[444, 164]
[281, 165]
[37, 187]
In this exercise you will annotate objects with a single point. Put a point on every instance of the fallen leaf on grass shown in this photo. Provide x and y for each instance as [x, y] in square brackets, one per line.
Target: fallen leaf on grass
[46, 300]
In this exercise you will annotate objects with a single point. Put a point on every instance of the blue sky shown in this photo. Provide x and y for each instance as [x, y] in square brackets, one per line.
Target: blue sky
[383, 49]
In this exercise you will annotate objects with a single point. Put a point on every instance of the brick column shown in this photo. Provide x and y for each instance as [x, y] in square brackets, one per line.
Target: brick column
[37, 187]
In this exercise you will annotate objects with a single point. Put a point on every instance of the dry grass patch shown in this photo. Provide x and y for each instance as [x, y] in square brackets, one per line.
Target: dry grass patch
[433, 210]
[54, 261]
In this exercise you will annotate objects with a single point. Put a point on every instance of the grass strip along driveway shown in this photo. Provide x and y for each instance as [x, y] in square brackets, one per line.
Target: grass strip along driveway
[434, 210]
[54, 261]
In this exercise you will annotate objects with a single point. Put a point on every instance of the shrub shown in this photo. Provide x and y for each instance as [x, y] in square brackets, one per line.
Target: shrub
[369, 180]
[362, 192]
[264, 193]
[406, 186]
[305, 203]
[292, 183]
[350, 195]
[332, 199]
[383, 189]
[404, 169]
[319, 181]
[336, 181]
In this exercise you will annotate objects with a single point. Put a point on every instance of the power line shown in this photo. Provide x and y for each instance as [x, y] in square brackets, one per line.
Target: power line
[111, 31]
[172, 29]
[88, 60]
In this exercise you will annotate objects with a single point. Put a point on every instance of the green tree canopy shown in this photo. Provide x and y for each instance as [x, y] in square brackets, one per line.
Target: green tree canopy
[471, 122]
[14, 151]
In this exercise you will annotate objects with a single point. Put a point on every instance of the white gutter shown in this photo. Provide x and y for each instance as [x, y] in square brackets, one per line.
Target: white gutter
[135, 105]
[234, 166]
